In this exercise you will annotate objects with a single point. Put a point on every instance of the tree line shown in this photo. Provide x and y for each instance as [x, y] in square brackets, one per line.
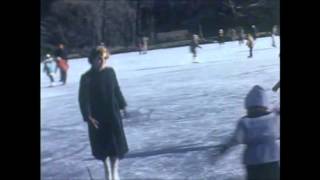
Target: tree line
[82, 24]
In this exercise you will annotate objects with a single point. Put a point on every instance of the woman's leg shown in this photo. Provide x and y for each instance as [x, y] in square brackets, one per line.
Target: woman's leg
[114, 168]
[61, 74]
[50, 77]
[107, 168]
[65, 76]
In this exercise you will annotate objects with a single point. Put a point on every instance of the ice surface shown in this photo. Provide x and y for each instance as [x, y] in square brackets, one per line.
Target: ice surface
[178, 111]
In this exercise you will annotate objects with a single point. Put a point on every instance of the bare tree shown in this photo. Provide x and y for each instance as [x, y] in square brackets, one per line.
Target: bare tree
[87, 23]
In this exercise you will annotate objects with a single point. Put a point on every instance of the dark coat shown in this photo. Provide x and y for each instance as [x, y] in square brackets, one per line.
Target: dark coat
[100, 97]
[193, 46]
[61, 53]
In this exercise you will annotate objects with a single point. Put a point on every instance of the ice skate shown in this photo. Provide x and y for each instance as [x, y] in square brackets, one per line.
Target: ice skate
[195, 60]
[51, 84]
[54, 84]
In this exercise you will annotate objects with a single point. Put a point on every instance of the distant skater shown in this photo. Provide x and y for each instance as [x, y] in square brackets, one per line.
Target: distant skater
[254, 32]
[145, 45]
[49, 68]
[250, 44]
[241, 35]
[273, 36]
[62, 62]
[102, 45]
[221, 36]
[233, 34]
[194, 44]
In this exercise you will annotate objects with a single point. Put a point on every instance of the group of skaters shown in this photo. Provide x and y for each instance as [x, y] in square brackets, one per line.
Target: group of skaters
[238, 34]
[58, 61]
[103, 106]
[234, 34]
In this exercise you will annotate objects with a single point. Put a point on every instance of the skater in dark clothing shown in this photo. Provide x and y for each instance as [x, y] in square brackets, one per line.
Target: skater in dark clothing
[273, 35]
[241, 35]
[62, 62]
[221, 36]
[254, 32]
[250, 44]
[233, 34]
[101, 103]
[259, 130]
[102, 45]
[140, 46]
[194, 44]
[48, 68]
[145, 45]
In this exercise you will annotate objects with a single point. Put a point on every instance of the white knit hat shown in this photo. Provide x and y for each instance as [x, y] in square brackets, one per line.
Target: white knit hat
[256, 97]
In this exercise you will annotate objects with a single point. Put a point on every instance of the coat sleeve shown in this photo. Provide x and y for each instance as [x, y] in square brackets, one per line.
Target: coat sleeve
[84, 99]
[238, 135]
[276, 86]
[122, 102]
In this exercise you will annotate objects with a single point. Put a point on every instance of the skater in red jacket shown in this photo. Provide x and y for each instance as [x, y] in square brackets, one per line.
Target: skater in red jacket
[62, 62]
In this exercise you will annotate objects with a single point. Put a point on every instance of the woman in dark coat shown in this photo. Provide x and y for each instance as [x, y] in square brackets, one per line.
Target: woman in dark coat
[100, 102]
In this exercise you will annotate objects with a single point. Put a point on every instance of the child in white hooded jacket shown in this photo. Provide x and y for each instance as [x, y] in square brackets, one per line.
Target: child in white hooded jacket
[259, 130]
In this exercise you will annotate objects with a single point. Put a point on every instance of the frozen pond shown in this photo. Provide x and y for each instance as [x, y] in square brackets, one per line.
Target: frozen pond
[178, 112]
